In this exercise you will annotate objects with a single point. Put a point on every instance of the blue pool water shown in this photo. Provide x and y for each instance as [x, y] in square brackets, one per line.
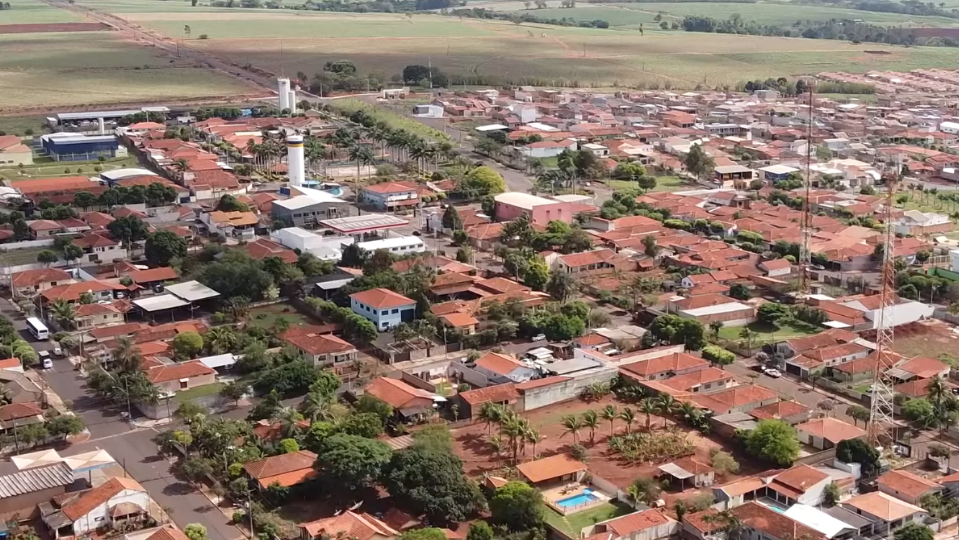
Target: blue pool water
[577, 500]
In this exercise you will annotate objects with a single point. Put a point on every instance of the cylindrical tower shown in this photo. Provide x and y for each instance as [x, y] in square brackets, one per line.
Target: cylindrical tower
[292, 100]
[284, 91]
[295, 160]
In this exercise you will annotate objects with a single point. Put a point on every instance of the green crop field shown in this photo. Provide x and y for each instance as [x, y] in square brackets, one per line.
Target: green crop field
[785, 14]
[33, 12]
[289, 41]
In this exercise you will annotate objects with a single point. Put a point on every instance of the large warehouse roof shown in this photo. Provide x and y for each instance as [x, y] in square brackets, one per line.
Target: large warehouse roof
[364, 223]
[192, 291]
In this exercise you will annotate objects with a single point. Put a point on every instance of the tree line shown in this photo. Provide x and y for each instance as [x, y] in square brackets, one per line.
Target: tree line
[526, 17]
[905, 7]
[844, 29]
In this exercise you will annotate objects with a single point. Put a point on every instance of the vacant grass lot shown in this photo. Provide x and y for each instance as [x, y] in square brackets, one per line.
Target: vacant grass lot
[85, 68]
[768, 333]
[50, 169]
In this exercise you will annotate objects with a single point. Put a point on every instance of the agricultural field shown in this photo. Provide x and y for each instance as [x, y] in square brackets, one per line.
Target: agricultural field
[33, 12]
[498, 51]
[47, 168]
[55, 69]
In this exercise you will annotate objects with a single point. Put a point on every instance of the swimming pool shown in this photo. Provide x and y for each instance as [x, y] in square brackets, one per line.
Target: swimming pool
[578, 500]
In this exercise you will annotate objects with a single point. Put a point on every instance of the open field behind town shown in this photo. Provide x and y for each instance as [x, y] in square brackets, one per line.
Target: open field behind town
[52, 69]
[33, 12]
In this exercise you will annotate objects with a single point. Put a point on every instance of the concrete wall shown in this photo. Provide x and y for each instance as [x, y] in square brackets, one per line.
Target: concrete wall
[548, 395]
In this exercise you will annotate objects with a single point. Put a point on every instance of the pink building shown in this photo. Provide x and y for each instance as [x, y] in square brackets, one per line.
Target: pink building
[511, 205]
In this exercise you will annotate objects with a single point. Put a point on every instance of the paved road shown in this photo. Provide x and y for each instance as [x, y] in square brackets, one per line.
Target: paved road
[791, 389]
[137, 453]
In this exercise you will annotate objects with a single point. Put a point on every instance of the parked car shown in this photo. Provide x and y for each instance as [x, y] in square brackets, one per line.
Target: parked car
[57, 351]
[539, 337]
[45, 359]
[774, 373]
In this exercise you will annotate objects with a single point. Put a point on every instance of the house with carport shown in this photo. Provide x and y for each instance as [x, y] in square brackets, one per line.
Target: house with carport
[115, 502]
[410, 404]
[906, 486]
[500, 368]
[287, 470]
[825, 433]
[887, 513]
[651, 524]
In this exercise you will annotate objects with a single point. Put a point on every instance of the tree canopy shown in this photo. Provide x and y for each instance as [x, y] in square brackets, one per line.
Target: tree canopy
[517, 506]
[348, 462]
[774, 441]
[432, 482]
[163, 246]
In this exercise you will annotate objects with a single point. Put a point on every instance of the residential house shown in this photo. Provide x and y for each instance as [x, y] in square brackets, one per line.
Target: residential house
[93, 315]
[240, 225]
[511, 205]
[17, 415]
[13, 152]
[906, 486]
[556, 469]
[922, 368]
[472, 401]
[762, 522]
[409, 404]
[663, 367]
[887, 513]
[22, 492]
[44, 229]
[322, 348]
[30, 282]
[391, 196]
[728, 176]
[112, 503]
[287, 470]
[500, 368]
[790, 412]
[354, 525]
[688, 469]
[592, 263]
[176, 377]
[261, 249]
[18, 388]
[701, 381]
[99, 248]
[651, 524]
[383, 307]
[825, 357]
[738, 399]
[776, 267]
[800, 484]
[153, 277]
[825, 433]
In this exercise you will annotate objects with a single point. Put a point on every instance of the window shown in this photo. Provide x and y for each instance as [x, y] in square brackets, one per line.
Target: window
[184, 383]
[395, 311]
[385, 312]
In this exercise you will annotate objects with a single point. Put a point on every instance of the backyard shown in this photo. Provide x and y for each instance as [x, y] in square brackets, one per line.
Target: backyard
[267, 316]
[663, 183]
[769, 333]
[573, 524]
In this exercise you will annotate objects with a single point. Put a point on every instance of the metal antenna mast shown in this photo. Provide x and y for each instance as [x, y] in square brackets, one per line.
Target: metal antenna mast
[805, 225]
[881, 425]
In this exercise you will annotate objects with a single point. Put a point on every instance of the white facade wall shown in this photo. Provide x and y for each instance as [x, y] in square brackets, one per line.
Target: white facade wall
[100, 515]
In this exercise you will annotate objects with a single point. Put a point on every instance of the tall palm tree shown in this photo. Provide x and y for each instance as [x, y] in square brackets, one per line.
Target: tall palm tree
[591, 422]
[533, 437]
[667, 405]
[316, 405]
[729, 523]
[688, 409]
[571, 423]
[288, 418]
[610, 414]
[362, 156]
[649, 407]
[64, 312]
[938, 393]
[126, 356]
[180, 166]
[220, 339]
[491, 413]
[629, 417]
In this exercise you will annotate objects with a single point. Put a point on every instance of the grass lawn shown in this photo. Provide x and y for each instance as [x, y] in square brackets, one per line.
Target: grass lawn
[862, 388]
[572, 525]
[17, 125]
[20, 256]
[663, 183]
[199, 391]
[48, 168]
[267, 316]
[769, 333]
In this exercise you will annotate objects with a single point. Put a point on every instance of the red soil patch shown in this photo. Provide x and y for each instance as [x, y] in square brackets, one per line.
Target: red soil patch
[52, 27]
[471, 444]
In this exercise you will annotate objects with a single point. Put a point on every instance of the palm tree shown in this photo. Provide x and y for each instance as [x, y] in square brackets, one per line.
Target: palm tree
[491, 413]
[64, 312]
[514, 429]
[125, 356]
[533, 437]
[316, 405]
[629, 417]
[688, 409]
[288, 418]
[220, 339]
[667, 405]
[180, 166]
[649, 407]
[362, 156]
[729, 523]
[572, 425]
[939, 393]
[747, 336]
[610, 414]
[591, 421]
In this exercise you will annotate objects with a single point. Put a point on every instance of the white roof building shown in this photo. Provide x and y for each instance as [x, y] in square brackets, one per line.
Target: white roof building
[523, 200]
[818, 520]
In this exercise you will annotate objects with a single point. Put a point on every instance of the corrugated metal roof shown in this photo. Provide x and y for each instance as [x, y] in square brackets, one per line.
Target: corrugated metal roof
[33, 480]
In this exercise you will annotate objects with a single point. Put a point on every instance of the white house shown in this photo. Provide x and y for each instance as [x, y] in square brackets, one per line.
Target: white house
[547, 149]
[383, 307]
[499, 368]
[115, 501]
[888, 513]
[650, 524]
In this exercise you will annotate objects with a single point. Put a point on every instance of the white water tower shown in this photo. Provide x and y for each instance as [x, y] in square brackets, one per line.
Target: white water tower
[295, 160]
[284, 91]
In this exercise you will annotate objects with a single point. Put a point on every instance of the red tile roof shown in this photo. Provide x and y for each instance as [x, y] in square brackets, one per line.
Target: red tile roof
[175, 372]
[550, 467]
[261, 249]
[738, 396]
[153, 274]
[498, 363]
[89, 500]
[907, 483]
[399, 394]
[284, 469]
[780, 410]
[772, 523]
[670, 362]
[831, 430]
[168, 533]
[32, 278]
[496, 394]
[349, 524]
[15, 411]
[381, 298]
[639, 521]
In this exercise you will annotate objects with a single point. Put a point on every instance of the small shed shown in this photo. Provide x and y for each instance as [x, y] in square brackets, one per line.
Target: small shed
[688, 469]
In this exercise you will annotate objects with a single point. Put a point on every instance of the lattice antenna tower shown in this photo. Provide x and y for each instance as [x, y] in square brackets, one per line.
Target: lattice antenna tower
[881, 425]
[805, 223]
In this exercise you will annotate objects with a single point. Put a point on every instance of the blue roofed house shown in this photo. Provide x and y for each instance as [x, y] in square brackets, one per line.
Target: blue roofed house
[383, 307]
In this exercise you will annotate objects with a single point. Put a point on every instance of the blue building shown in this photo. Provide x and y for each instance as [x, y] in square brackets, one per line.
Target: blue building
[79, 147]
[383, 307]
[777, 173]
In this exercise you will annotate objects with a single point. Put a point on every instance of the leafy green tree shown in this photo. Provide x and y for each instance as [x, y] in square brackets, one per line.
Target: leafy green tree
[645, 490]
[128, 229]
[724, 463]
[698, 162]
[773, 312]
[483, 181]
[672, 329]
[718, 355]
[517, 506]
[426, 533]
[188, 344]
[162, 246]
[195, 531]
[479, 530]
[920, 411]
[914, 531]
[537, 274]
[774, 441]
[348, 462]
[84, 199]
[47, 257]
[861, 452]
[369, 403]
[831, 494]
[189, 411]
[65, 425]
[228, 203]
[560, 286]
[739, 292]
[368, 425]
[451, 219]
[235, 274]
[432, 482]
[72, 252]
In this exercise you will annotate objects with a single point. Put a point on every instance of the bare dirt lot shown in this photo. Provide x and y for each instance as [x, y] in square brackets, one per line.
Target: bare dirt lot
[933, 339]
[52, 27]
[472, 445]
